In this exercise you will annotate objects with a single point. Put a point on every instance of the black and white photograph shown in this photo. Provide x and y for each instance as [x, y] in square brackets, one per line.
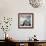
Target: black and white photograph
[25, 20]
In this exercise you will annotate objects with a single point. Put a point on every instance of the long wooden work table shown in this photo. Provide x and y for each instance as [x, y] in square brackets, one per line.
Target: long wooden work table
[27, 43]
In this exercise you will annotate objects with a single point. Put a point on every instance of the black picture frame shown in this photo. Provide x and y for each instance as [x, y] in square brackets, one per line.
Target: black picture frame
[25, 20]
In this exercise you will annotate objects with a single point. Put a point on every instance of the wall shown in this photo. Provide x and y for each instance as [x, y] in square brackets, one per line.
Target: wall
[45, 29]
[11, 8]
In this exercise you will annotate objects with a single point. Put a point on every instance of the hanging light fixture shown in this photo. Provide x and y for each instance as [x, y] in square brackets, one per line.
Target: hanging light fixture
[36, 3]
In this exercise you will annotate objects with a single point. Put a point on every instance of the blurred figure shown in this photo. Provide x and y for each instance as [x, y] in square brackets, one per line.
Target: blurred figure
[26, 23]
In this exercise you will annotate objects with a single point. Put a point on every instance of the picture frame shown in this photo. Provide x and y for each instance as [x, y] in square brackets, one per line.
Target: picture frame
[25, 20]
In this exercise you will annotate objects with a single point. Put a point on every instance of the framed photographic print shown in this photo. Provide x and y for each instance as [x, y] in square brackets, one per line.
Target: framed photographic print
[25, 20]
